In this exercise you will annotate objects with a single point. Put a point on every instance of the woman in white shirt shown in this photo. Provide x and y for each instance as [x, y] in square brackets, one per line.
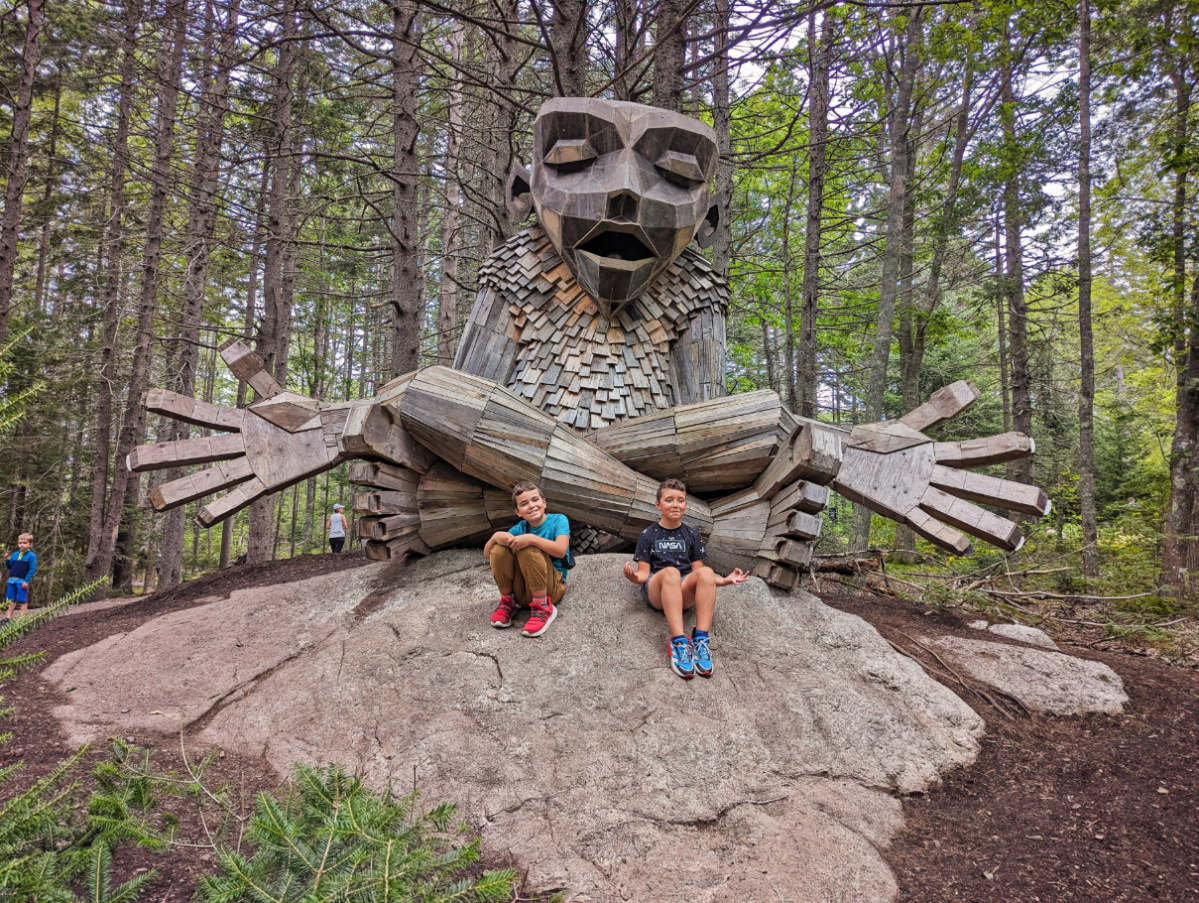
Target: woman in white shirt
[337, 528]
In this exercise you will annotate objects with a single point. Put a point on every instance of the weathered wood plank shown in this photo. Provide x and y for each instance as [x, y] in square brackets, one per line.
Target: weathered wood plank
[190, 410]
[944, 404]
[978, 487]
[203, 450]
[231, 502]
[991, 450]
[971, 519]
[199, 484]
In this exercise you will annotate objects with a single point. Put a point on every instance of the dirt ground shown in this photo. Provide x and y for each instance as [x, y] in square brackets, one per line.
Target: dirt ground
[1055, 809]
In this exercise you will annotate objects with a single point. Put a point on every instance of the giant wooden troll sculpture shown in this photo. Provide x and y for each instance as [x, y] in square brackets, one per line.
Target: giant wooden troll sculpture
[593, 363]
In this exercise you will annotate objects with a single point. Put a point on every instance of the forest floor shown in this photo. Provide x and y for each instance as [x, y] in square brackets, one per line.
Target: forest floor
[1096, 808]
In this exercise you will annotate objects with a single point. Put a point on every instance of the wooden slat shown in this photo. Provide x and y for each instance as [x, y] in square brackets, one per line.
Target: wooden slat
[971, 519]
[203, 450]
[939, 534]
[199, 484]
[245, 364]
[510, 443]
[801, 495]
[371, 431]
[812, 454]
[388, 551]
[231, 502]
[991, 450]
[776, 574]
[979, 487]
[803, 525]
[383, 475]
[796, 554]
[189, 410]
[944, 404]
[442, 409]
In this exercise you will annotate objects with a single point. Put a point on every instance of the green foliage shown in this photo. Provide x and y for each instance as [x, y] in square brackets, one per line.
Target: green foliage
[332, 839]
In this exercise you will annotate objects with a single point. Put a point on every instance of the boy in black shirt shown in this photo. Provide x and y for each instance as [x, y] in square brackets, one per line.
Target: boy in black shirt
[669, 566]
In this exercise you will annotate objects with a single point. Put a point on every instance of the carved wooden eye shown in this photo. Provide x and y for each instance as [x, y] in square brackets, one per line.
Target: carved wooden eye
[682, 169]
[570, 151]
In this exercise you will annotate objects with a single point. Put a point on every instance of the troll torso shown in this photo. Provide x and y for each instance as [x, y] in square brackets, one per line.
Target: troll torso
[534, 330]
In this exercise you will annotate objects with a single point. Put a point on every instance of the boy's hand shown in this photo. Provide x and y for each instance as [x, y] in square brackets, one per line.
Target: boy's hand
[631, 573]
[737, 576]
[523, 541]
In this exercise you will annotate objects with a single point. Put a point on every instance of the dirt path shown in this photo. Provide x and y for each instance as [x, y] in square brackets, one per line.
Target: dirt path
[1082, 809]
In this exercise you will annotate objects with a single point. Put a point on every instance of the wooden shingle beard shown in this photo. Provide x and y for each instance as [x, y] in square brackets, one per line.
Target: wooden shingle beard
[596, 380]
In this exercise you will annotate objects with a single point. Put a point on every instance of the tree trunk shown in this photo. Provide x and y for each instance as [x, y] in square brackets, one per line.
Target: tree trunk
[272, 332]
[407, 283]
[568, 47]
[47, 212]
[447, 310]
[670, 55]
[1017, 308]
[722, 122]
[820, 58]
[876, 385]
[113, 241]
[1181, 552]
[1086, 401]
[133, 426]
[18, 159]
[210, 136]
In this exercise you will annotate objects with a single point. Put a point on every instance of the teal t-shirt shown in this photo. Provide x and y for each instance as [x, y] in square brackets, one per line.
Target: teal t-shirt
[551, 528]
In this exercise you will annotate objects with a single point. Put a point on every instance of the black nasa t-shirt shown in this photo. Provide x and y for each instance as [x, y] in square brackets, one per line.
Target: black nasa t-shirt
[675, 548]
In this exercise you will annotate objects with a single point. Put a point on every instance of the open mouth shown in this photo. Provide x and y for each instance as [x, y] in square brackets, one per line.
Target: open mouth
[612, 247]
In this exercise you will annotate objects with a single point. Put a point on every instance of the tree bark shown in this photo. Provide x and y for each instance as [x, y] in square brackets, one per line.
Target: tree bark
[670, 55]
[1086, 342]
[899, 124]
[210, 136]
[113, 242]
[18, 159]
[1017, 308]
[568, 47]
[133, 426]
[722, 123]
[407, 282]
[819, 65]
[447, 311]
[272, 329]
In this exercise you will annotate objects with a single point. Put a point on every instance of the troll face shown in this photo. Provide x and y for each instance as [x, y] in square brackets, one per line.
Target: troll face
[620, 188]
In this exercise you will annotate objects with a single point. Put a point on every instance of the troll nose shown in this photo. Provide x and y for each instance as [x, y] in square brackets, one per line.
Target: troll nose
[622, 206]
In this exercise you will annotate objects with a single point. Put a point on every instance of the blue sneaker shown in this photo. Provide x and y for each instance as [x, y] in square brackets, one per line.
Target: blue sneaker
[680, 657]
[701, 656]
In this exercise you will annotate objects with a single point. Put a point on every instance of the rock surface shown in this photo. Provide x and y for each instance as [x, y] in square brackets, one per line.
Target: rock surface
[1024, 634]
[580, 755]
[1043, 681]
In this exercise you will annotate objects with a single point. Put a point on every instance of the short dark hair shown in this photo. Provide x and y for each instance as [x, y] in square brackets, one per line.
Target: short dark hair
[521, 488]
[672, 483]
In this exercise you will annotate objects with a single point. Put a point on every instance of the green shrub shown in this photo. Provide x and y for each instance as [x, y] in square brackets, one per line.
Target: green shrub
[332, 839]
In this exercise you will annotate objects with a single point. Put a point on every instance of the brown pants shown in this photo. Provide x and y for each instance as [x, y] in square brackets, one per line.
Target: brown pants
[528, 568]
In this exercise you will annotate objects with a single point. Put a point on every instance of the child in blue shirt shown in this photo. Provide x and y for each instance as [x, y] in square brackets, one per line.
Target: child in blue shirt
[21, 566]
[528, 562]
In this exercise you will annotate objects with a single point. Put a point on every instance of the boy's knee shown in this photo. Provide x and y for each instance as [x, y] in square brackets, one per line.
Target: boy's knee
[671, 575]
[705, 575]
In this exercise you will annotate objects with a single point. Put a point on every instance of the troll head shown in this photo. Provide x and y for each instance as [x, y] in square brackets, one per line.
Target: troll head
[620, 188]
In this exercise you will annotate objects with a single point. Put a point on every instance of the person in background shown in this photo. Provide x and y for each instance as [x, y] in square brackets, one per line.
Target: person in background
[337, 528]
[21, 566]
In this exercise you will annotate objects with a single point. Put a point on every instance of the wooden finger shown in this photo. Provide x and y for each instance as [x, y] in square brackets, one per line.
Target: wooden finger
[231, 502]
[991, 450]
[941, 535]
[794, 552]
[183, 452]
[199, 484]
[811, 454]
[388, 501]
[245, 364]
[944, 404]
[776, 573]
[411, 544]
[979, 487]
[193, 411]
[971, 519]
[384, 476]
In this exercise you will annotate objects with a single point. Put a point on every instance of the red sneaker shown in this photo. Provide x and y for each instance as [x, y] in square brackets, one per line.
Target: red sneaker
[502, 616]
[543, 615]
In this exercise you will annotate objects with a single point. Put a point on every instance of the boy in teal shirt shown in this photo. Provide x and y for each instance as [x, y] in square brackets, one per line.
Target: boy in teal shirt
[528, 562]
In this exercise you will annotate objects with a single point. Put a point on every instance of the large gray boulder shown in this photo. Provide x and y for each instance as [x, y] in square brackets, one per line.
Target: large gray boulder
[579, 754]
[1049, 682]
